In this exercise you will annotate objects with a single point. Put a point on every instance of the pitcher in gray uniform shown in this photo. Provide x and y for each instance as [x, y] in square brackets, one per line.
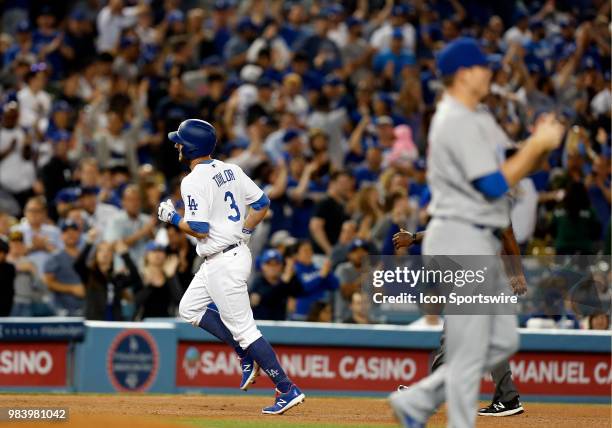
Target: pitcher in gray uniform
[468, 177]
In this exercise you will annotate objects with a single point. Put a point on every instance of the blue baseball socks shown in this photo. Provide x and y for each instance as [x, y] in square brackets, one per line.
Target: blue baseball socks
[212, 323]
[262, 352]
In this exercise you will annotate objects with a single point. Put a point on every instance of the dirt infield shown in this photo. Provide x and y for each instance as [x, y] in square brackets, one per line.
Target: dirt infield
[224, 411]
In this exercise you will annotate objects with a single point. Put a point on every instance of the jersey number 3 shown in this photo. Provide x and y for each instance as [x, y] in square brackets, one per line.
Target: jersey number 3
[233, 206]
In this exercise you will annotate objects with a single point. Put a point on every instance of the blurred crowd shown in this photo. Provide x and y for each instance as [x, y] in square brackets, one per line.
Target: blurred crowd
[325, 104]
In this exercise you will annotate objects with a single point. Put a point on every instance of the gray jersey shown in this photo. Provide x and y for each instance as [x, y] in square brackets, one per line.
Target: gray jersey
[465, 145]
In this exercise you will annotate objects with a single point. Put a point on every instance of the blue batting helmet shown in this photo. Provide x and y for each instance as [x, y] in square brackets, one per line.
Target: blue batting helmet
[197, 137]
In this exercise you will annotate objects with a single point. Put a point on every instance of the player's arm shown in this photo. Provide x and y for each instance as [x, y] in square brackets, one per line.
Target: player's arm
[546, 137]
[512, 261]
[403, 238]
[195, 229]
[197, 208]
[167, 214]
[257, 201]
[479, 161]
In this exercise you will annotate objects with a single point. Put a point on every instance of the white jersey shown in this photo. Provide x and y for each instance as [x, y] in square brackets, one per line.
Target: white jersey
[218, 193]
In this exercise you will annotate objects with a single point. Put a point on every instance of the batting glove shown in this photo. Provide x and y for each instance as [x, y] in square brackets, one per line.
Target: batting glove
[167, 213]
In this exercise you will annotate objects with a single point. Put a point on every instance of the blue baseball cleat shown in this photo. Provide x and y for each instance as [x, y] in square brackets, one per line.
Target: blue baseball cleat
[284, 402]
[402, 416]
[250, 371]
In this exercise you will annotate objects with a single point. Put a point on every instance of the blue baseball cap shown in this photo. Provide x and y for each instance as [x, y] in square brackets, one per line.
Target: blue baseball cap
[269, 255]
[463, 52]
[223, 4]
[420, 164]
[332, 80]
[264, 82]
[246, 24]
[69, 224]
[399, 10]
[128, 41]
[290, 134]
[176, 16]
[89, 190]
[358, 243]
[353, 22]
[238, 143]
[67, 195]
[78, 15]
[59, 135]
[212, 61]
[24, 26]
[154, 246]
[61, 105]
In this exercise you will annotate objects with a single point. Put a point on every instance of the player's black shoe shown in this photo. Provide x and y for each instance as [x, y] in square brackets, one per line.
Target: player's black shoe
[507, 408]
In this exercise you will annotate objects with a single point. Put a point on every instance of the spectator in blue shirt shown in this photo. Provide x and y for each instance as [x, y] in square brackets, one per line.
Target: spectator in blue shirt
[391, 62]
[62, 278]
[371, 168]
[315, 282]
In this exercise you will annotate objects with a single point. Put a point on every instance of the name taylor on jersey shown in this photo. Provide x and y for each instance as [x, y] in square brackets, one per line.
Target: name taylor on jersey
[224, 177]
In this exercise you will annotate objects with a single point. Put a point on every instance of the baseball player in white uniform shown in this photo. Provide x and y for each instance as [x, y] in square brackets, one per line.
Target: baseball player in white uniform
[469, 177]
[222, 208]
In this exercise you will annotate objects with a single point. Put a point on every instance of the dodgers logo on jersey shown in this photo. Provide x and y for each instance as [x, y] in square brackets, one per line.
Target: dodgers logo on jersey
[191, 203]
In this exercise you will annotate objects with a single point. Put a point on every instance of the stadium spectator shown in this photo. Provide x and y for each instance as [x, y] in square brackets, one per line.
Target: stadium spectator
[575, 225]
[7, 273]
[316, 283]
[181, 246]
[34, 101]
[130, 225]
[61, 277]
[17, 168]
[320, 312]
[41, 237]
[31, 294]
[104, 288]
[359, 309]
[111, 21]
[273, 286]
[158, 288]
[330, 213]
[350, 275]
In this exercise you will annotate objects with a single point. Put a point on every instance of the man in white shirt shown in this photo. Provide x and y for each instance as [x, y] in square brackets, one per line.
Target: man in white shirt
[34, 101]
[381, 38]
[17, 171]
[111, 20]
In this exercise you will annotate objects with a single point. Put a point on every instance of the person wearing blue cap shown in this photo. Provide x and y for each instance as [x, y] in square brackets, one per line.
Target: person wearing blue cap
[381, 38]
[235, 50]
[60, 275]
[391, 62]
[22, 46]
[349, 274]
[272, 287]
[57, 172]
[469, 179]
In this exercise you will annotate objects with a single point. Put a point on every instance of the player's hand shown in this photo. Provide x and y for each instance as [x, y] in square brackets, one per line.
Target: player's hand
[166, 211]
[92, 235]
[518, 283]
[78, 291]
[326, 268]
[121, 247]
[548, 133]
[402, 239]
